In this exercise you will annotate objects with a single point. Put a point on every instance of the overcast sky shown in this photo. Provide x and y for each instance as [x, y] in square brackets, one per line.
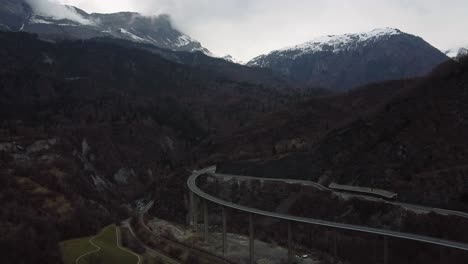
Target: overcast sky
[247, 28]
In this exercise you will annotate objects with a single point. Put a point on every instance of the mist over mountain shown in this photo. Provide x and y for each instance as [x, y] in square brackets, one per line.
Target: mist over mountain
[457, 53]
[58, 22]
[346, 61]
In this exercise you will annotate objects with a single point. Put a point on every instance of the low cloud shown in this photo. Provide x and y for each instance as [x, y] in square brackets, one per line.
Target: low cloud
[247, 28]
[51, 8]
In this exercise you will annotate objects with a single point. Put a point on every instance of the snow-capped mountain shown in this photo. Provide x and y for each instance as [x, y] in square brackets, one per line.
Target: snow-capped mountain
[456, 53]
[345, 61]
[332, 43]
[17, 15]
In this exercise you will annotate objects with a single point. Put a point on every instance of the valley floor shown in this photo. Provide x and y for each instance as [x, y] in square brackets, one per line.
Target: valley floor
[238, 245]
[102, 248]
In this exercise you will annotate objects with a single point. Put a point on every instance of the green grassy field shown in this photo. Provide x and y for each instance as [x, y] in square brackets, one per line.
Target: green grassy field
[109, 252]
[72, 249]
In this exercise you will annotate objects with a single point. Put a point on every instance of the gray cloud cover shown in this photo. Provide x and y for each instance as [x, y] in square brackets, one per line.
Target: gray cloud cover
[246, 28]
[46, 7]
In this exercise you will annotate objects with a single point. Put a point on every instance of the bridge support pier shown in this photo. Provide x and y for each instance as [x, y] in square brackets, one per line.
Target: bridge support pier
[385, 250]
[441, 256]
[190, 220]
[335, 243]
[223, 209]
[205, 220]
[195, 213]
[252, 239]
[290, 246]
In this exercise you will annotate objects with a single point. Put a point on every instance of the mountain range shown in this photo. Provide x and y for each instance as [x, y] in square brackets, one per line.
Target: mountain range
[100, 111]
[333, 62]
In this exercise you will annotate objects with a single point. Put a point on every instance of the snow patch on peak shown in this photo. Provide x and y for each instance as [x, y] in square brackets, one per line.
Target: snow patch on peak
[379, 32]
[131, 35]
[183, 40]
[338, 43]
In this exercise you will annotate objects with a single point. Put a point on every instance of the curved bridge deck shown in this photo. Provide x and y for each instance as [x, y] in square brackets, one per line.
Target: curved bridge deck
[195, 190]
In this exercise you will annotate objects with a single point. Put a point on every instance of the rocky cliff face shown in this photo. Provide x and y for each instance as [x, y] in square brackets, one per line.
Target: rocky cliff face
[18, 15]
[346, 61]
[13, 13]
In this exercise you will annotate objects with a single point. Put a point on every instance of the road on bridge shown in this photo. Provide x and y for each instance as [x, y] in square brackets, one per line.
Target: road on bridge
[192, 185]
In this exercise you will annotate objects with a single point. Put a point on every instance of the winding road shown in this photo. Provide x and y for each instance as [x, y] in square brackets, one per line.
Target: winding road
[118, 237]
[98, 248]
[192, 185]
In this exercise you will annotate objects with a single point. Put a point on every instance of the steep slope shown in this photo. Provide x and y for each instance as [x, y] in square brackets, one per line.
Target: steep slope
[13, 13]
[414, 145]
[79, 144]
[300, 126]
[19, 16]
[346, 61]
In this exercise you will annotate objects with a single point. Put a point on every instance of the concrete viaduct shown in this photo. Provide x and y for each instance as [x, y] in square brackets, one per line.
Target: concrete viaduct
[197, 194]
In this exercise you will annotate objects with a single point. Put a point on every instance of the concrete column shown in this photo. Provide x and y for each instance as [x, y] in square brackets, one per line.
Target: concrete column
[335, 243]
[224, 231]
[191, 210]
[195, 214]
[441, 255]
[252, 239]
[385, 250]
[290, 246]
[205, 219]
[376, 249]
